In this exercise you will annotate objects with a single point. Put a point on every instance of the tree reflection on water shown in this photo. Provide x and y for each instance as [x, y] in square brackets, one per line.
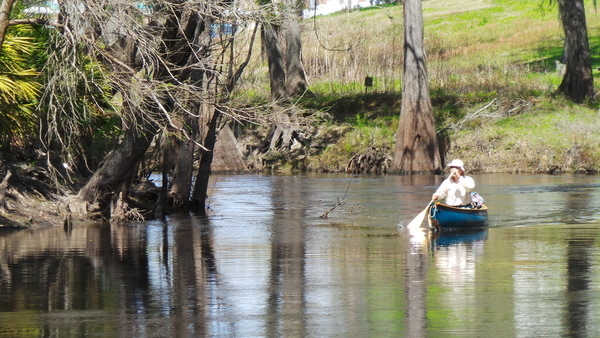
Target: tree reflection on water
[265, 264]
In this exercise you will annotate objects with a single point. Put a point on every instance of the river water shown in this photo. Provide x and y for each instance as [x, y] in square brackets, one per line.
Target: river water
[266, 264]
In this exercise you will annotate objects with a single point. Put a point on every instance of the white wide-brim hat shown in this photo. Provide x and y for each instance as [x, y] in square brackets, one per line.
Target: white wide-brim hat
[457, 163]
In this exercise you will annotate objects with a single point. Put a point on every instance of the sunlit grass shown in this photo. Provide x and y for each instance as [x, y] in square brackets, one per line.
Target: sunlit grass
[494, 43]
[488, 50]
[551, 135]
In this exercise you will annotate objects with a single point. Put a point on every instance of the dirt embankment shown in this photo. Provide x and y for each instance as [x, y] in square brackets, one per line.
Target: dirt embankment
[33, 213]
[29, 200]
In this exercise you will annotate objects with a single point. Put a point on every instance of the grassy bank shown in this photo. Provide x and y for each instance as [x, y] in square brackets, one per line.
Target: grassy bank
[549, 136]
[492, 71]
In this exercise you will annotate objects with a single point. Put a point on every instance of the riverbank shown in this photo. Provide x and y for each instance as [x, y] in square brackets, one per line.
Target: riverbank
[543, 134]
[31, 201]
[493, 70]
[35, 213]
[548, 136]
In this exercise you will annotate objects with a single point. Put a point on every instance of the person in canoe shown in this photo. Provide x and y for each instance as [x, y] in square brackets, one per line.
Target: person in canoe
[456, 189]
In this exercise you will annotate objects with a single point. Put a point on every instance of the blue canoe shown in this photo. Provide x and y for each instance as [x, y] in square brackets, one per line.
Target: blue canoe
[445, 216]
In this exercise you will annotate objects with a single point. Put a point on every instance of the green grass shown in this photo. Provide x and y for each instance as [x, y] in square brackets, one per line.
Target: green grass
[541, 139]
[500, 46]
[500, 51]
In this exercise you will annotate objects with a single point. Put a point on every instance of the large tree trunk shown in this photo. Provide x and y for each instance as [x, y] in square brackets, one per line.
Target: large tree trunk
[286, 71]
[296, 82]
[107, 181]
[204, 170]
[5, 9]
[275, 61]
[184, 167]
[417, 149]
[179, 190]
[578, 81]
[283, 47]
[208, 118]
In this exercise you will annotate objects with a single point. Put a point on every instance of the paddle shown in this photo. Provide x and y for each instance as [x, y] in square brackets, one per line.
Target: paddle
[416, 222]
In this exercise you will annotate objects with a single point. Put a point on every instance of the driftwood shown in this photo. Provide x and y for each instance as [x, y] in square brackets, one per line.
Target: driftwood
[340, 202]
[3, 187]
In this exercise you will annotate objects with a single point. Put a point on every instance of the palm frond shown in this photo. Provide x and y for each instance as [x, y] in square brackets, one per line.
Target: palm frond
[19, 92]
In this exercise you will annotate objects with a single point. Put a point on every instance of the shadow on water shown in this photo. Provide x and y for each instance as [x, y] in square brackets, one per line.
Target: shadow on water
[98, 279]
[580, 264]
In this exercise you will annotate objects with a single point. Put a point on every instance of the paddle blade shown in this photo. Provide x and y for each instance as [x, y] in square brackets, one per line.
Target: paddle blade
[417, 221]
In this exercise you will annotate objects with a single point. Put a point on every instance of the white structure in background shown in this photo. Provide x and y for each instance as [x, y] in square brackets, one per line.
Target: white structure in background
[44, 8]
[324, 7]
[315, 7]
[51, 7]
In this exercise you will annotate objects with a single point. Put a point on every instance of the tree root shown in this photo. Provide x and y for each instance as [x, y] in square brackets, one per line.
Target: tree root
[3, 186]
[374, 161]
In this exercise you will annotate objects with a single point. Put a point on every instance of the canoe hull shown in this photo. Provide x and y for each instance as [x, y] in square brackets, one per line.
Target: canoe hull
[445, 216]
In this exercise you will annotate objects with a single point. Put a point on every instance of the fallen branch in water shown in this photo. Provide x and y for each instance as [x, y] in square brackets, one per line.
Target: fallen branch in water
[335, 206]
[340, 202]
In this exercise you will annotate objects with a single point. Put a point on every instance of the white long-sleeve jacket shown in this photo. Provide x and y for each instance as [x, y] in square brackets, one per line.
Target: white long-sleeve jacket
[456, 193]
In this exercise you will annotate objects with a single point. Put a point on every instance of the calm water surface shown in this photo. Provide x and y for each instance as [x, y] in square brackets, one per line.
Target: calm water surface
[265, 264]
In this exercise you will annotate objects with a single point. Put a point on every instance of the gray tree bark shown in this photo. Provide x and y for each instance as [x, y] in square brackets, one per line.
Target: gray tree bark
[578, 81]
[201, 187]
[184, 167]
[417, 149]
[283, 47]
[107, 181]
[275, 61]
[296, 82]
[5, 9]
